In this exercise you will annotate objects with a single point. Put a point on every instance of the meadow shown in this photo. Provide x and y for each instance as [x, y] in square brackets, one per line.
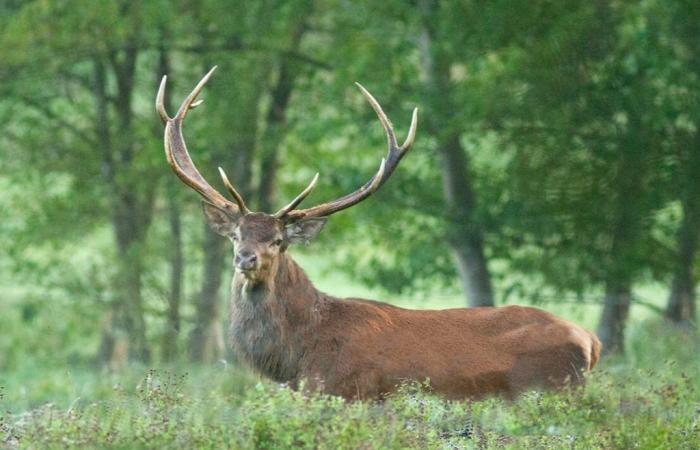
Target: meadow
[647, 398]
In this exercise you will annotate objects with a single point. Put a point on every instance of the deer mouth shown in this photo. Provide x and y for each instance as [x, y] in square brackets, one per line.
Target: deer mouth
[250, 274]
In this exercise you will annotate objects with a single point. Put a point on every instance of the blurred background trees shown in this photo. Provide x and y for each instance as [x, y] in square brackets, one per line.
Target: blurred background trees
[557, 158]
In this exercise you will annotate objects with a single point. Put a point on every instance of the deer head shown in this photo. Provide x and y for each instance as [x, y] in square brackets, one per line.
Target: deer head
[259, 238]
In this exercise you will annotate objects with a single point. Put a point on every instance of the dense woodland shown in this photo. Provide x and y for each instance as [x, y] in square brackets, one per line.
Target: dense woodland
[557, 158]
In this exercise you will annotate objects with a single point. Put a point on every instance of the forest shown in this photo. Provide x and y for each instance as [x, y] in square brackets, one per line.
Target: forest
[555, 165]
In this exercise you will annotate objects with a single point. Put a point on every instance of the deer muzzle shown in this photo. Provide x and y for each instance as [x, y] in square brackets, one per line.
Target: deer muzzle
[246, 261]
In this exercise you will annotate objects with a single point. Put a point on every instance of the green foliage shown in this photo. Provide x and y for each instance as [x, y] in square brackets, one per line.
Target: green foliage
[579, 122]
[561, 109]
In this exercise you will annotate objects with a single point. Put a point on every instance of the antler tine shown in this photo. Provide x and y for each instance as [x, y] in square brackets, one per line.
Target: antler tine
[386, 123]
[299, 198]
[386, 168]
[190, 102]
[160, 101]
[234, 193]
[326, 209]
[394, 152]
[411, 131]
[176, 150]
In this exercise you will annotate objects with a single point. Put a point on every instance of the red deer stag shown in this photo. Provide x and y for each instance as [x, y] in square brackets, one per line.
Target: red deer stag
[287, 330]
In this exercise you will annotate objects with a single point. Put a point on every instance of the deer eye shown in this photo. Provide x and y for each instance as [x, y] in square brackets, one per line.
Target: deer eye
[277, 242]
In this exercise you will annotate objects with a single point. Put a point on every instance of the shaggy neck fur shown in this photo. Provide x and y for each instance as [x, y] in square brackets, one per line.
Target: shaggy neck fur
[275, 320]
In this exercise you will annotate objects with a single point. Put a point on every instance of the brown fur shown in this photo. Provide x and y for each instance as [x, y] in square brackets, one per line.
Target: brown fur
[288, 331]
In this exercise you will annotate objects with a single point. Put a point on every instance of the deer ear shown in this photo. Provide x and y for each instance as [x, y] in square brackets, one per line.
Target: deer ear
[303, 231]
[220, 221]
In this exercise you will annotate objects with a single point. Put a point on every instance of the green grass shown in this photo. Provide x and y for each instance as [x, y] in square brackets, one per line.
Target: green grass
[648, 399]
[50, 397]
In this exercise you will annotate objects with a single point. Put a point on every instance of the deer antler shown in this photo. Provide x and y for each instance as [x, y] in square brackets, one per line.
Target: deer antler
[179, 158]
[386, 168]
[299, 198]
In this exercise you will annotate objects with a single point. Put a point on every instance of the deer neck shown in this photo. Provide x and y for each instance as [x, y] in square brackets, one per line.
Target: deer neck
[274, 321]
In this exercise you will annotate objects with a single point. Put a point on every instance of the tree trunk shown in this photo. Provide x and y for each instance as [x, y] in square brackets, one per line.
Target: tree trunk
[206, 343]
[681, 307]
[465, 235]
[176, 259]
[124, 334]
[130, 314]
[681, 302]
[618, 285]
[177, 268]
[124, 331]
[275, 126]
[626, 229]
[611, 330]
[134, 209]
[113, 350]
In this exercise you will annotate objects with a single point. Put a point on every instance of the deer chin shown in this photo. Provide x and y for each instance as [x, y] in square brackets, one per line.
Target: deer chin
[252, 276]
[249, 274]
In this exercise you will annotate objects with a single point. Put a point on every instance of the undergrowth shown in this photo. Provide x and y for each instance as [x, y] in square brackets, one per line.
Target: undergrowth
[650, 398]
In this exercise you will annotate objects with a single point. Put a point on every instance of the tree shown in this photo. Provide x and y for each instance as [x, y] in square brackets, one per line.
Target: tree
[102, 73]
[593, 164]
[683, 26]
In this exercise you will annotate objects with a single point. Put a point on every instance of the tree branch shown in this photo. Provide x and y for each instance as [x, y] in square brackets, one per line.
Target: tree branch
[48, 112]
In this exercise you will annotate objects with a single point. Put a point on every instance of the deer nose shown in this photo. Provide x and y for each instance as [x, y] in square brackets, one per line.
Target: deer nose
[246, 260]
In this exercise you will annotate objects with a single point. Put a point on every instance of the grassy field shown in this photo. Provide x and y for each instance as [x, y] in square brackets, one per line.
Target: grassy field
[650, 398]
